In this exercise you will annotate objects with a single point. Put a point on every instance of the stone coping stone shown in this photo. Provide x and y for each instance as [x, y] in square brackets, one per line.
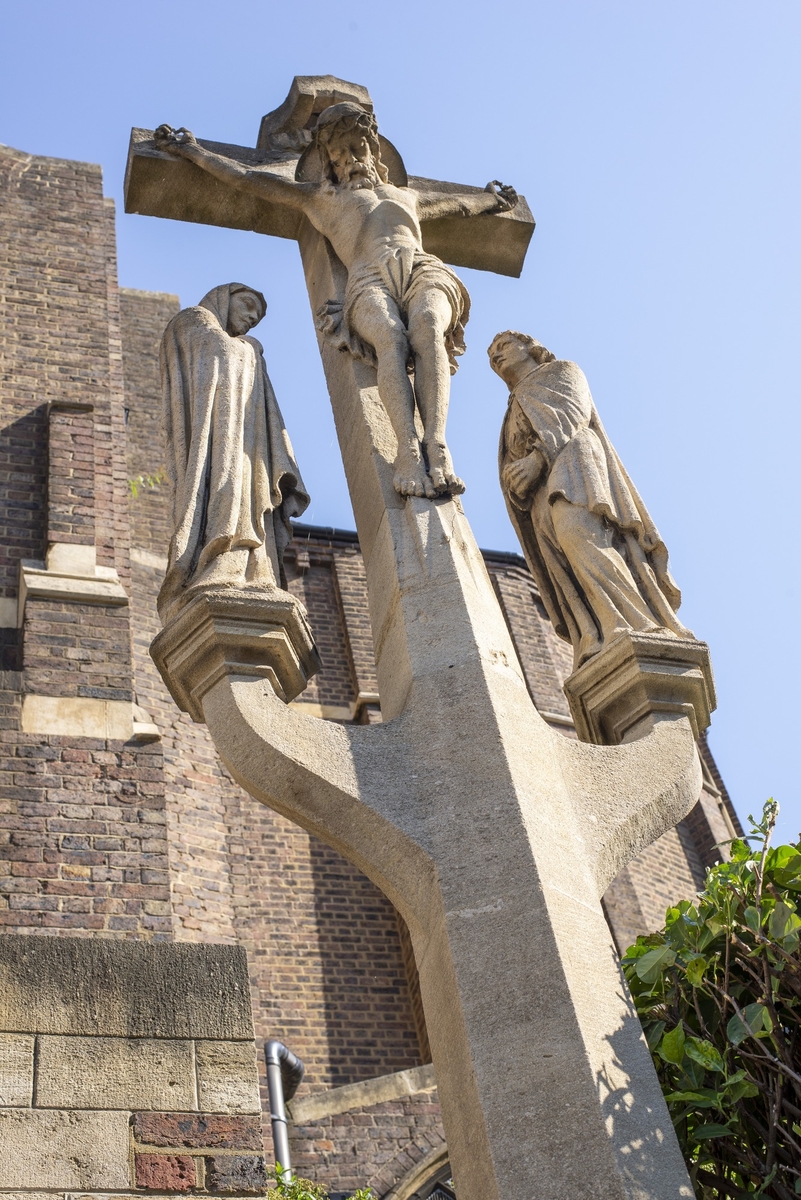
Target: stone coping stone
[95, 986]
[368, 1092]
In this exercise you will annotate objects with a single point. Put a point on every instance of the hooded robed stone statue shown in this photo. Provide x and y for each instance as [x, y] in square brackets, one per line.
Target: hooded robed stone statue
[235, 479]
[599, 562]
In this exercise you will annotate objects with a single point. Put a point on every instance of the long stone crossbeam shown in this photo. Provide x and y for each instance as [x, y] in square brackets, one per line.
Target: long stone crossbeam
[157, 185]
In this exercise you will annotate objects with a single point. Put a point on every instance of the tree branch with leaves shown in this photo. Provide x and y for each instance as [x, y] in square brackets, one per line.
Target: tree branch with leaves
[718, 991]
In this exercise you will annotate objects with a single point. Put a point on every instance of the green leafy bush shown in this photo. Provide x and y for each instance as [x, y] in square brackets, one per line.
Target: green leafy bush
[303, 1189]
[718, 992]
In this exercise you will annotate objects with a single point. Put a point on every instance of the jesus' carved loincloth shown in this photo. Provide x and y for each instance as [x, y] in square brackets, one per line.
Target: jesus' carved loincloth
[413, 298]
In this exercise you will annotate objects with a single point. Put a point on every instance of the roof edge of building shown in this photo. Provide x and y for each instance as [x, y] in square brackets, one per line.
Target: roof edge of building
[330, 535]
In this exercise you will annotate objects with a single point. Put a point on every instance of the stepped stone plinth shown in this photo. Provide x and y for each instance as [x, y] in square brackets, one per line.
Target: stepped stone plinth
[260, 632]
[637, 680]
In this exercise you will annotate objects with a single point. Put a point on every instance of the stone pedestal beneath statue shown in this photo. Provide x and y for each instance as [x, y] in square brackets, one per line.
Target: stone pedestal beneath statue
[261, 632]
[636, 680]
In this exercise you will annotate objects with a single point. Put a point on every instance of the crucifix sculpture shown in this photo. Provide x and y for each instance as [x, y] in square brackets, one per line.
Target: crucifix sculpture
[494, 836]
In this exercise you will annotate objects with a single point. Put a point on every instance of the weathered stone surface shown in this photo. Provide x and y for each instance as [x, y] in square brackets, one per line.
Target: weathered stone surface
[40, 582]
[475, 823]
[64, 1149]
[173, 1172]
[517, 876]
[341, 156]
[77, 716]
[236, 1173]
[16, 1070]
[123, 989]
[227, 1078]
[228, 529]
[26, 1195]
[156, 185]
[263, 629]
[209, 1131]
[101, 1072]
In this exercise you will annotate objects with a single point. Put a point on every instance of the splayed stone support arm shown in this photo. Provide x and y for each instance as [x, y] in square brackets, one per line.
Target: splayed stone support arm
[495, 838]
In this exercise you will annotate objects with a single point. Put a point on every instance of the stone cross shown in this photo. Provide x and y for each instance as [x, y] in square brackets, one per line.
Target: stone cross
[494, 836]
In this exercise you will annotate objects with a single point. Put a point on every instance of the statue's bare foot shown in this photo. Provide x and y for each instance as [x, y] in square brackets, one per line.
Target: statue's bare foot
[411, 477]
[440, 469]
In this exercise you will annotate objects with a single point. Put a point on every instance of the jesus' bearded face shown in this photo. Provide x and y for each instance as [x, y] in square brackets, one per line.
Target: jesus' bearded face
[352, 160]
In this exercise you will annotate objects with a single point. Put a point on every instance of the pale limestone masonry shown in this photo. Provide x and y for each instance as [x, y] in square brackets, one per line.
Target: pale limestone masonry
[57, 1149]
[126, 1065]
[99, 1072]
[226, 1077]
[381, 1090]
[16, 1070]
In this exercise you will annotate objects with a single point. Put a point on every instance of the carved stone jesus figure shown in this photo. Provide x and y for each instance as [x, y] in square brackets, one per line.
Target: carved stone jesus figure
[235, 479]
[599, 562]
[402, 308]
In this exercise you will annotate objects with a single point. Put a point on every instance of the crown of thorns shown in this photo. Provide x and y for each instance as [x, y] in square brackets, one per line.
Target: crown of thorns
[349, 116]
[341, 118]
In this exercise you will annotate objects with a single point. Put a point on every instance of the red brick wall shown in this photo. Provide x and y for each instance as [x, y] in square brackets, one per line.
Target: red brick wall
[546, 660]
[82, 827]
[374, 1146]
[82, 845]
[315, 587]
[58, 335]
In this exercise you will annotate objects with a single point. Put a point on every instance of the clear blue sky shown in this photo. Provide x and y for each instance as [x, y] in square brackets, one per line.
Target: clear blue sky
[658, 146]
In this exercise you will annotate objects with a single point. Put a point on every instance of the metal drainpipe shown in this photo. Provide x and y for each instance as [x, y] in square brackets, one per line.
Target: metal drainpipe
[284, 1074]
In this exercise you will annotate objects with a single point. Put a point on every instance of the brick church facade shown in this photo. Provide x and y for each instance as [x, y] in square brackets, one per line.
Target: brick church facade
[117, 818]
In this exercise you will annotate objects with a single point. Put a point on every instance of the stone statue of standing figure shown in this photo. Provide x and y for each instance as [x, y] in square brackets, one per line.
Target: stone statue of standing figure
[235, 479]
[402, 308]
[596, 555]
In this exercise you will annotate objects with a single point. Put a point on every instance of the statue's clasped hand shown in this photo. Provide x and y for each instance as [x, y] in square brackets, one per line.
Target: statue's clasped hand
[520, 476]
[506, 197]
[173, 141]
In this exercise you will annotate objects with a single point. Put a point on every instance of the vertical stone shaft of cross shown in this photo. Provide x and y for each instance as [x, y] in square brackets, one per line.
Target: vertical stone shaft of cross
[546, 1084]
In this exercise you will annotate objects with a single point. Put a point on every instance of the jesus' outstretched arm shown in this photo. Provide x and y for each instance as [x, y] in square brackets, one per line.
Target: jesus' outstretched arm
[496, 198]
[183, 144]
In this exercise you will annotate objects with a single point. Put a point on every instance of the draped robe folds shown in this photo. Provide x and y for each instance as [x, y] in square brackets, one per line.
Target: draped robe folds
[560, 421]
[236, 483]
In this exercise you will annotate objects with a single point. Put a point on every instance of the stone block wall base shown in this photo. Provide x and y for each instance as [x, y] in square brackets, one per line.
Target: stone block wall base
[638, 679]
[248, 631]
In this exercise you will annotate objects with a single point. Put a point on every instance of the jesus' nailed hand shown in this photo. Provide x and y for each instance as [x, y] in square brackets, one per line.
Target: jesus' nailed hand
[403, 309]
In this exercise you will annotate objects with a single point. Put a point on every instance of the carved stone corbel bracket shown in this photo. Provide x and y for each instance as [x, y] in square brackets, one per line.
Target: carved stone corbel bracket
[637, 680]
[259, 632]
